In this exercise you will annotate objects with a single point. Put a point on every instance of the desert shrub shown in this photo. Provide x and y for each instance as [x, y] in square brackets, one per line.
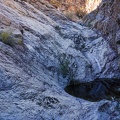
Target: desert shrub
[20, 42]
[89, 24]
[63, 65]
[7, 38]
[67, 68]
[81, 12]
[55, 3]
[57, 27]
[69, 15]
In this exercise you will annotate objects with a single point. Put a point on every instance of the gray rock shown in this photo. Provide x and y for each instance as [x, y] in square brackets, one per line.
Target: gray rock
[31, 86]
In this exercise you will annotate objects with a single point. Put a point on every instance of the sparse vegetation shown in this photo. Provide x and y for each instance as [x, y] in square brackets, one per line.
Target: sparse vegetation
[89, 24]
[81, 12]
[20, 42]
[69, 15]
[7, 38]
[55, 3]
[57, 27]
[67, 68]
[48, 102]
[64, 67]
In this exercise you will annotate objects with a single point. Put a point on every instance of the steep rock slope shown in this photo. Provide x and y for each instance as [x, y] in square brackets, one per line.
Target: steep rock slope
[74, 5]
[31, 81]
[75, 9]
[106, 18]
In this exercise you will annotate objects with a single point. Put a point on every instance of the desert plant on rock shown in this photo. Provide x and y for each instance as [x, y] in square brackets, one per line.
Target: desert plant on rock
[57, 27]
[55, 3]
[70, 15]
[7, 38]
[63, 65]
[81, 12]
[67, 68]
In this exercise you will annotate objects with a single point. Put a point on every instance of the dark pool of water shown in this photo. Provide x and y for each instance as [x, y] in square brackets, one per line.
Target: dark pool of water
[95, 90]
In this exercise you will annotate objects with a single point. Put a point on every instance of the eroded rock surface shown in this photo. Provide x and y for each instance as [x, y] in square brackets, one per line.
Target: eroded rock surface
[106, 18]
[75, 9]
[31, 81]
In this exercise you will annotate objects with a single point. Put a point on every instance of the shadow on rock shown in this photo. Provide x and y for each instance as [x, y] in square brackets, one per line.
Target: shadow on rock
[95, 90]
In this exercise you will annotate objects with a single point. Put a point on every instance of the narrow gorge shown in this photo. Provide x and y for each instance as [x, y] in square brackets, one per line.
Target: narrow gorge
[59, 60]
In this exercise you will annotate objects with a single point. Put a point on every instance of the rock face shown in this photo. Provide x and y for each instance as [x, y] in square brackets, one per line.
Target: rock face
[106, 18]
[75, 9]
[33, 70]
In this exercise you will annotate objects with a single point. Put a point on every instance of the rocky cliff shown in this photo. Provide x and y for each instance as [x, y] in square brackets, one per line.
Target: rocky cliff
[106, 18]
[75, 9]
[40, 52]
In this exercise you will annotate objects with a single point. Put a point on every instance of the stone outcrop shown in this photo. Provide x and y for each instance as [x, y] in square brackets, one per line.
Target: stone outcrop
[75, 9]
[106, 18]
[33, 73]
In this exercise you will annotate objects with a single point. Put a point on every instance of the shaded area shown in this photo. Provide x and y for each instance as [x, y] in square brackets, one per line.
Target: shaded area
[95, 90]
[106, 19]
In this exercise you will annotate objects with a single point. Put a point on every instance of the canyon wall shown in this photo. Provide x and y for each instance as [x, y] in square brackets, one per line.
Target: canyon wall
[41, 51]
[75, 8]
[106, 18]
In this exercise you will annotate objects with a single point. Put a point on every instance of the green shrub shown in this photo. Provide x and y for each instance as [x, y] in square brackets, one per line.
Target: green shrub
[4, 36]
[66, 67]
[20, 42]
[7, 38]
[57, 27]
